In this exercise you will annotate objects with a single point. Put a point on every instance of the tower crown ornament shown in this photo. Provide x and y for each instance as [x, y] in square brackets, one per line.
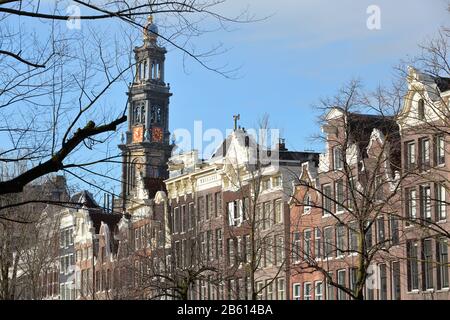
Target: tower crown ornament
[150, 30]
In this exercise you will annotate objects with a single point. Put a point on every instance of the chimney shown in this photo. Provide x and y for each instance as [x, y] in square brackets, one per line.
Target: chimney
[281, 146]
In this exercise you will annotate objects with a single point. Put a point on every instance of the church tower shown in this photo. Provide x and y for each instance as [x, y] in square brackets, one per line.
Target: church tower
[146, 147]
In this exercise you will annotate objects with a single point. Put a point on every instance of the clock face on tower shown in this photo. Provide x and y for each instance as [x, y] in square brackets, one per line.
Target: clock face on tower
[138, 134]
[157, 134]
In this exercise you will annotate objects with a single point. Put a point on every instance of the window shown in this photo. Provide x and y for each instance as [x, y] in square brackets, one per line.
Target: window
[317, 243]
[231, 256]
[265, 184]
[340, 239]
[266, 215]
[341, 295]
[412, 265]
[396, 285]
[351, 192]
[248, 248]
[182, 218]
[425, 202]
[307, 291]
[306, 204]
[218, 204]
[307, 244]
[440, 150]
[440, 203]
[330, 288]
[176, 224]
[296, 247]
[327, 200]
[219, 243]
[410, 155]
[383, 281]
[269, 289]
[259, 290]
[379, 193]
[276, 181]
[421, 109]
[318, 287]
[280, 287]
[278, 211]
[411, 203]
[395, 234]
[380, 231]
[328, 242]
[337, 158]
[209, 243]
[139, 113]
[368, 236]
[353, 279]
[200, 208]
[279, 249]
[442, 259]
[191, 218]
[427, 265]
[235, 216]
[339, 190]
[209, 206]
[425, 154]
[296, 291]
[353, 236]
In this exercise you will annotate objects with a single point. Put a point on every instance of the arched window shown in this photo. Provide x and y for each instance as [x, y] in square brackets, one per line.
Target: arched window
[154, 172]
[142, 113]
[306, 204]
[137, 114]
[155, 114]
[421, 109]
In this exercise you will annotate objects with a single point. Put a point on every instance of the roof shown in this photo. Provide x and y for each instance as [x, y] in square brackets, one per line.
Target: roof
[442, 83]
[84, 198]
[299, 156]
[361, 126]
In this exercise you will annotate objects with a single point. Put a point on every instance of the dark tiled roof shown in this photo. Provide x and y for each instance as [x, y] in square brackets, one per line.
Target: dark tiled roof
[298, 156]
[361, 126]
[98, 216]
[84, 198]
[442, 83]
[153, 185]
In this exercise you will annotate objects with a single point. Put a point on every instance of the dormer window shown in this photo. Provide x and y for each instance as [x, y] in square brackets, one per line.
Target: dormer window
[337, 158]
[421, 110]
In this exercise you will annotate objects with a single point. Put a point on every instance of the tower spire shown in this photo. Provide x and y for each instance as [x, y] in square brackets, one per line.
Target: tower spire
[236, 118]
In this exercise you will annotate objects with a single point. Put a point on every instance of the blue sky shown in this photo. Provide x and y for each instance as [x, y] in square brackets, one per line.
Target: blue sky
[305, 50]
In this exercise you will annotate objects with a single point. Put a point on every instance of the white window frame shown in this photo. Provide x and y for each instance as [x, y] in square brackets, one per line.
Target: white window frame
[339, 202]
[318, 295]
[338, 161]
[296, 295]
[441, 204]
[307, 294]
[411, 154]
